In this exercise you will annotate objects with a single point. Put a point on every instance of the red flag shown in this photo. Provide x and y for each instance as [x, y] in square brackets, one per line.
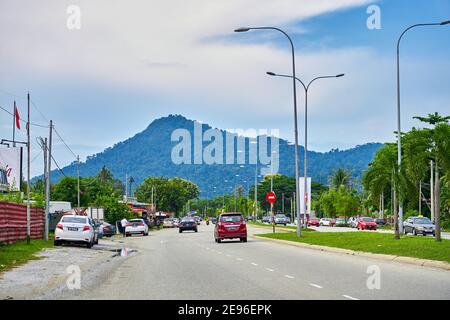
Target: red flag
[17, 116]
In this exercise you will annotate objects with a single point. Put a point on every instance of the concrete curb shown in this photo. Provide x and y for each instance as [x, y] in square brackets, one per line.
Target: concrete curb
[386, 257]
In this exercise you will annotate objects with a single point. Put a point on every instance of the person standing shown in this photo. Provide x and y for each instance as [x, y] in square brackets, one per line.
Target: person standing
[124, 223]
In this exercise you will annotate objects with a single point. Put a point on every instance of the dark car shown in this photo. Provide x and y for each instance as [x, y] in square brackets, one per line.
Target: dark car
[230, 226]
[214, 220]
[108, 229]
[380, 222]
[266, 219]
[187, 224]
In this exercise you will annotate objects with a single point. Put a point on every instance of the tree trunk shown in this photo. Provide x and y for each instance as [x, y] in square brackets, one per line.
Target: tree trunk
[437, 205]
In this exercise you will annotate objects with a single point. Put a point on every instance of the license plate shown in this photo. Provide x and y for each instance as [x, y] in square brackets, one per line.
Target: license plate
[72, 229]
[232, 228]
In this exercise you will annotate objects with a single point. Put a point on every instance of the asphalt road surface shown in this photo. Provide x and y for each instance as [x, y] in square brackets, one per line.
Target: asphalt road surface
[190, 265]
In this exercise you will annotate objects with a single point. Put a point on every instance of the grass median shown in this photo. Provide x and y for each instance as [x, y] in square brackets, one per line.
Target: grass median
[407, 246]
[266, 225]
[18, 253]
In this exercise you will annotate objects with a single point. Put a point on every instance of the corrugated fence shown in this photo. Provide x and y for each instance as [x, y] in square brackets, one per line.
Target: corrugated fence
[13, 222]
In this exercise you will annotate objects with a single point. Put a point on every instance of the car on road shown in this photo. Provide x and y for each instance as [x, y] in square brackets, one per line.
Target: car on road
[168, 223]
[197, 220]
[176, 222]
[328, 222]
[108, 229]
[281, 219]
[187, 223]
[214, 220]
[419, 225]
[366, 223]
[340, 222]
[136, 226]
[230, 226]
[314, 222]
[76, 229]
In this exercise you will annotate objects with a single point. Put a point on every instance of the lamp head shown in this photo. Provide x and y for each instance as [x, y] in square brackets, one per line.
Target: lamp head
[242, 29]
[340, 75]
[271, 73]
[443, 23]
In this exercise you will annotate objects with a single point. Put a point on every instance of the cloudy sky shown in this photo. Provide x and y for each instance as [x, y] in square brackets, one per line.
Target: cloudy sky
[134, 61]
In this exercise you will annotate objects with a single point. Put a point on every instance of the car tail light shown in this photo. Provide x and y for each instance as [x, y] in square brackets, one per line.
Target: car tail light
[86, 228]
[105, 227]
[59, 226]
[141, 225]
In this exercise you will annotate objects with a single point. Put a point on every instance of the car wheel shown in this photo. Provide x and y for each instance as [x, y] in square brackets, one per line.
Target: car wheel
[96, 241]
[424, 234]
[196, 230]
[56, 243]
[180, 231]
[414, 232]
[89, 245]
[219, 240]
[405, 231]
[244, 239]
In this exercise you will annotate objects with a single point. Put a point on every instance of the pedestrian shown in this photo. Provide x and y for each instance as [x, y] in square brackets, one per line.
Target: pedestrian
[124, 223]
[158, 223]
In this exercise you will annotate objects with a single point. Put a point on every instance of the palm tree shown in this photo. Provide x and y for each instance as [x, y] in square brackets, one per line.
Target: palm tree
[433, 119]
[340, 177]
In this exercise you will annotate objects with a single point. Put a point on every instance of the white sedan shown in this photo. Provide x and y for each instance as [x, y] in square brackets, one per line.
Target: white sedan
[136, 226]
[76, 229]
[326, 222]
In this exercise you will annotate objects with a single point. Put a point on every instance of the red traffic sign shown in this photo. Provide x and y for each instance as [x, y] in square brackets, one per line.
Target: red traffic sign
[271, 197]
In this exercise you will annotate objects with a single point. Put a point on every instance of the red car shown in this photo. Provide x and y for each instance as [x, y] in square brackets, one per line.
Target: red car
[366, 224]
[314, 222]
[230, 226]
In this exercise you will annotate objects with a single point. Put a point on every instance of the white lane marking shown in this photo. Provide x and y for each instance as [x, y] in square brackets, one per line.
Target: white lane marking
[254, 264]
[268, 269]
[288, 276]
[349, 297]
[239, 259]
[228, 255]
[316, 285]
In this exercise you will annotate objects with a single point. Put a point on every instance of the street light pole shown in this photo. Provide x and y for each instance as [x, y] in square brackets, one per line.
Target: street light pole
[297, 183]
[305, 168]
[398, 220]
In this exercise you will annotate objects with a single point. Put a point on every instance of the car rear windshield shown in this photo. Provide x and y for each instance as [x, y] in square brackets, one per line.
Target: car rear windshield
[135, 221]
[188, 220]
[367, 219]
[74, 219]
[231, 218]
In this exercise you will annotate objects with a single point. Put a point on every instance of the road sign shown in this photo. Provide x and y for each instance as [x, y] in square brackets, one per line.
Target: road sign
[271, 197]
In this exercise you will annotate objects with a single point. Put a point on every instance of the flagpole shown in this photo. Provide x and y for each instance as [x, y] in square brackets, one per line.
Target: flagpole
[14, 125]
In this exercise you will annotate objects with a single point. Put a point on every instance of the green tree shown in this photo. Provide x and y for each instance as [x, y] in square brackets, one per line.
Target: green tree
[114, 210]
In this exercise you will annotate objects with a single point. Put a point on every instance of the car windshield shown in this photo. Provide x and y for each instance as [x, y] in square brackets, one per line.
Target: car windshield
[188, 220]
[74, 219]
[135, 221]
[367, 219]
[231, 218]
[422, 221]
[340, 220]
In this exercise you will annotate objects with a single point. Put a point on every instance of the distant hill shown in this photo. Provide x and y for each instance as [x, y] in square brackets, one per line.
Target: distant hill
[149, 154]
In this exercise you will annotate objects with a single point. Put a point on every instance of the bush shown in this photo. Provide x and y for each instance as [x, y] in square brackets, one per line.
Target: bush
[114, 210]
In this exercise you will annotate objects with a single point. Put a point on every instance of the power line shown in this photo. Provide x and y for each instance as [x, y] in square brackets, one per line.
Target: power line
[59, 136]
[24, 121]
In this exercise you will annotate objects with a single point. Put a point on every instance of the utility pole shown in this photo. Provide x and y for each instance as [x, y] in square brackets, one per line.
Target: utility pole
[48, 154]
[420, 198]
[126, 187]
[78, 179]
[28, 172]
[437, 204]
[256, 191]
[44, 149]
[432, 189]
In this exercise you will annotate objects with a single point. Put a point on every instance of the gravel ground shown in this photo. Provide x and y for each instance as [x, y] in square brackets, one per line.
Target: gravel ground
[46, 278]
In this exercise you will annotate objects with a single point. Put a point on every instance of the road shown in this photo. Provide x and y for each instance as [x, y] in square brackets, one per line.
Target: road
[170, 265]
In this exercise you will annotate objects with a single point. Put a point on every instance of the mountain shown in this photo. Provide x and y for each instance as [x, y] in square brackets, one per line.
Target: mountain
[149, 153]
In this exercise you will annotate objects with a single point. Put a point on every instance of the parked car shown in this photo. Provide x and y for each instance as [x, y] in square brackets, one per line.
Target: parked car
[366, 223]
[168, 223]
[76, 229]
[314, 222]
[214, 220]
[353, 222]
[136, 226]
[380, 222]
[187, 223]
[230, 226]
[176, 222]
[281, 219]
[328, 222]
[419, 225]
[340, 222]
[197, 219]
[266, 219]
[108, 229]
